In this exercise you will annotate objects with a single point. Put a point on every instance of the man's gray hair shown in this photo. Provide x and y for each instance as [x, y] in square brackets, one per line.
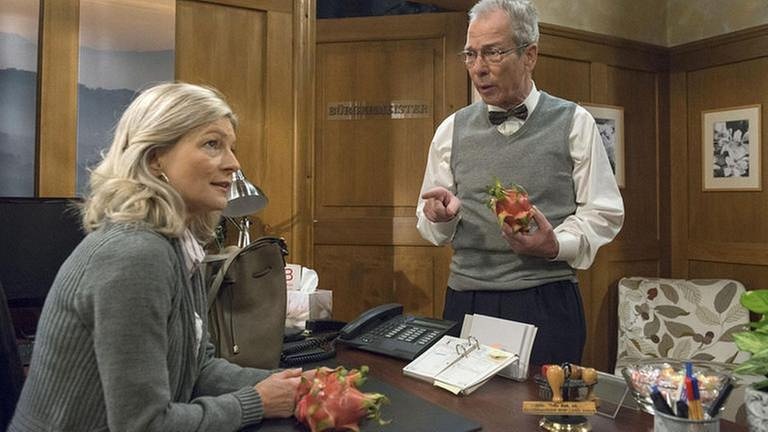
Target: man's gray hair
[522, 15]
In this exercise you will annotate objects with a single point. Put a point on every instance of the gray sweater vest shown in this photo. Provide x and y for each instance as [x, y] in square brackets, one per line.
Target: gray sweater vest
[536, 157]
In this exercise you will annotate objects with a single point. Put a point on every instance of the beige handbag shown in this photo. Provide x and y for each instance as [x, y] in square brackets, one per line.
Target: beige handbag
[246, 302]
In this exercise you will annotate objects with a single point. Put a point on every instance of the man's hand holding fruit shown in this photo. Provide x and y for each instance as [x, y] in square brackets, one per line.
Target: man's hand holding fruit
[515, 214]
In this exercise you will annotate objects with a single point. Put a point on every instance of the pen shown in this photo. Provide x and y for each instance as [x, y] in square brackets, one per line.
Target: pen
[659, 403]
[695, 410]
[714, 409]
[682, 402]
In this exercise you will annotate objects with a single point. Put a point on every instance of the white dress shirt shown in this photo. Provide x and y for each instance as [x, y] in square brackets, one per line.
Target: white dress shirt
[599, 208]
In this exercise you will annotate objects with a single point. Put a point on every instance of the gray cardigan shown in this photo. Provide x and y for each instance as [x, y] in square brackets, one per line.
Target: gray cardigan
[115, 346]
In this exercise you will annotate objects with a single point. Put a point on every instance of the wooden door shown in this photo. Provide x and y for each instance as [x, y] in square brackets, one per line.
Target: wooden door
[254, 53]
[383, 84]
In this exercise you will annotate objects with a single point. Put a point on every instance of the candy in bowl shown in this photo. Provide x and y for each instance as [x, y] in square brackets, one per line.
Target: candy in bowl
[669, 376]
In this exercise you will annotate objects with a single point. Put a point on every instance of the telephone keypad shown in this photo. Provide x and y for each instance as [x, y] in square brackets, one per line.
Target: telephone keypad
[406, 333]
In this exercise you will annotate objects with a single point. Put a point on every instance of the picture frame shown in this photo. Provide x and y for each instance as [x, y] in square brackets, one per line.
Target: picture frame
[610, 123]
[730, 147]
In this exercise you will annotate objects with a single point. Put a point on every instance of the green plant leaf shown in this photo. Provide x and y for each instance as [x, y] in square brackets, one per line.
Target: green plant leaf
[756, 301]
[752, 342]
[727, 336]
[761, 326]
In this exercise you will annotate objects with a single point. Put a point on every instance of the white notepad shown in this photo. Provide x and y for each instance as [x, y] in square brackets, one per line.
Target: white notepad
[511, 336]
[459, 365]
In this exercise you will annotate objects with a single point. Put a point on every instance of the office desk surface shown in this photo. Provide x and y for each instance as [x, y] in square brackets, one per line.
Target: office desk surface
[497, 405]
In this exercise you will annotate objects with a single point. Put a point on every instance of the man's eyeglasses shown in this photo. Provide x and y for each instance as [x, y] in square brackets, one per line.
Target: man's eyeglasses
[490, 55]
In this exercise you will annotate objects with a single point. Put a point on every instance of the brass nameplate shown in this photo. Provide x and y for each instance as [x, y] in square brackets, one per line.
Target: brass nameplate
[559, 408]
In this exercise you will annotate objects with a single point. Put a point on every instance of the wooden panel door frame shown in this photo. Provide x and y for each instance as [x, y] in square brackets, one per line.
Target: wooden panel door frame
[58, 56]
[272, 91]
[368, 250]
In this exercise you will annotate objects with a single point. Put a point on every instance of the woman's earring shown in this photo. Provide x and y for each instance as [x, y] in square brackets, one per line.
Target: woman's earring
[164, 177]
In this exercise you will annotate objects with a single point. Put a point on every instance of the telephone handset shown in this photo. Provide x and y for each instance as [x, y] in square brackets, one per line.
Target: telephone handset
[370, 319]
[385, 330]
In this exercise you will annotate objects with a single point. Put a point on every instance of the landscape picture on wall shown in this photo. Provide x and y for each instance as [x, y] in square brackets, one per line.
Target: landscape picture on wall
[125, 46]
[18, 96]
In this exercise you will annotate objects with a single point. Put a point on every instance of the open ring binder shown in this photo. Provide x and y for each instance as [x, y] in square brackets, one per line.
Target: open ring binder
[459, 365]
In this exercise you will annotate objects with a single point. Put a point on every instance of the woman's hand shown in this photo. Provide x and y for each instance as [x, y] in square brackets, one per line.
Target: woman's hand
[278, 393]
[310, 373]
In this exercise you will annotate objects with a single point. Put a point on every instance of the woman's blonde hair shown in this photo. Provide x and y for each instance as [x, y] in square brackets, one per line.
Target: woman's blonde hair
[123, 188]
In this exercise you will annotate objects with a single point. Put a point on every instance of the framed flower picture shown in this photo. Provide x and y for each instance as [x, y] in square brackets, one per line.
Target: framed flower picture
[610, 123]
[730, 147]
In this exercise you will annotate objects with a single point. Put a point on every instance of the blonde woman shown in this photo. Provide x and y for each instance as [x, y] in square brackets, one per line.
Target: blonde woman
[122, 341]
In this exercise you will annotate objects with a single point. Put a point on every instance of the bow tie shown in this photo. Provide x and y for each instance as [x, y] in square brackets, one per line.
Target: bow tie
[499, 117]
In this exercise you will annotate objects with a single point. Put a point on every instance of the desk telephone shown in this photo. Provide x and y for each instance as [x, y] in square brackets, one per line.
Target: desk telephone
[383, 329]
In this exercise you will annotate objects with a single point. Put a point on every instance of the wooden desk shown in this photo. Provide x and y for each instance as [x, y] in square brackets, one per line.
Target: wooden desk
[497, 405]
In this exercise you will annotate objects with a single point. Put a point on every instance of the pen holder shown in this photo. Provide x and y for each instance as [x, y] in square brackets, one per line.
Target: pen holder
[667, 423]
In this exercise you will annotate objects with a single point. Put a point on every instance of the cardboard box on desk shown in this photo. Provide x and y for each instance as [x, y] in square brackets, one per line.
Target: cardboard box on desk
[304, 300]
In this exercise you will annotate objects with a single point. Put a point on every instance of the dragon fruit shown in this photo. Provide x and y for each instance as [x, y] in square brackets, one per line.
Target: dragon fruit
[511, 206]
[332, 401]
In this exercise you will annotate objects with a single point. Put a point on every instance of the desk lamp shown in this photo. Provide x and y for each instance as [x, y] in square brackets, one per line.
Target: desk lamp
[244, 199]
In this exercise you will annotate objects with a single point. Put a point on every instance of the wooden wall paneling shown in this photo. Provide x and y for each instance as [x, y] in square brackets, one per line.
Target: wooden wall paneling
[266, 5]
[304, 138]
[441, 271]
[752, 276]
[376, 152]
[400, 27]
[574, 85]
[366, 276]
[247, 53]
[663, 163]
[573, 44]
[598, 83]
[368, 171]
[716, 234]
[723, 215]
[57, 93]
[277, 158]
[725, 49]
[734, 252]
[678, 173]
[635, 91]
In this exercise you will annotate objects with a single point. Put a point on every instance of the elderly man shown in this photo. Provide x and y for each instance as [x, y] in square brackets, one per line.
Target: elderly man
[527, 137]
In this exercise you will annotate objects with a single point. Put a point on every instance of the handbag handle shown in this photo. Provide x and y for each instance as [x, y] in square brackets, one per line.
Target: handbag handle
[213, 291]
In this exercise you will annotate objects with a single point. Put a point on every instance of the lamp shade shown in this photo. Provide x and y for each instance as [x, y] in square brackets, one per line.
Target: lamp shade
[244, 197]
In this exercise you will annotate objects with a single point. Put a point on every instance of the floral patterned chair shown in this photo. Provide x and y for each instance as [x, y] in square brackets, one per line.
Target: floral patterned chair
[680, 319]
[683, 319]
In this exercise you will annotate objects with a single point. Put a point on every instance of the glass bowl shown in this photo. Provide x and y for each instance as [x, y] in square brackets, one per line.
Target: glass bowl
[668, 375]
